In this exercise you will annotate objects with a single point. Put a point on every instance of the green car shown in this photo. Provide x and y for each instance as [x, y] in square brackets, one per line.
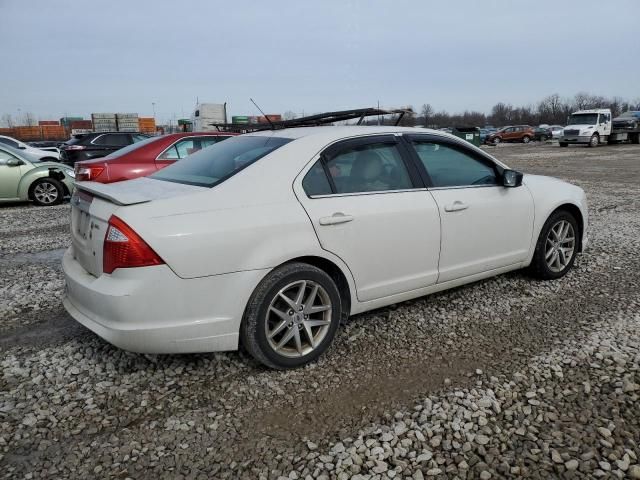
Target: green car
[24, 177]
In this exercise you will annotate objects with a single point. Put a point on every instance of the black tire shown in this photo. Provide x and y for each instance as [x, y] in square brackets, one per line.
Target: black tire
[634, 138]
[564, 144]
[46, 192]
[253, 333]
[526, 139]
[594, 140]
[539, 267]
[497, 140]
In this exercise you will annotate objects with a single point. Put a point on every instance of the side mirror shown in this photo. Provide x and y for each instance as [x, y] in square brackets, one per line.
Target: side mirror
[511, 178]
[14, 162]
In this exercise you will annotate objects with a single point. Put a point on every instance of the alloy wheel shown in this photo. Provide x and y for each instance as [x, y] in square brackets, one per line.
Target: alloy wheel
[559, 246]
[594, 140]
[46, 193]
[298, 318]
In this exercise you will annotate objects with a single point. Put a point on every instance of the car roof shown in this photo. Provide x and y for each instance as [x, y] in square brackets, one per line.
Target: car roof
[331, 133]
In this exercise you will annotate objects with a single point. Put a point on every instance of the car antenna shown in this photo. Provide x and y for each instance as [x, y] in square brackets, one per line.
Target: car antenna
[273, 127]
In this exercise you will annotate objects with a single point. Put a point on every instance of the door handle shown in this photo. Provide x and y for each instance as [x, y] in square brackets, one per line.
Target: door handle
[336, 218]
[456, 206]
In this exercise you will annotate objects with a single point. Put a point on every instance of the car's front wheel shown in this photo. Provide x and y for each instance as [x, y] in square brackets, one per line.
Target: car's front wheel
[497, 140]
[594, 140]
[46, 192]
[557, 246]
[292, 316]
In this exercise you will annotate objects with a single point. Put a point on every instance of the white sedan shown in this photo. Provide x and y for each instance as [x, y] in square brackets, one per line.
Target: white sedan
[46, 155]
[270, 239]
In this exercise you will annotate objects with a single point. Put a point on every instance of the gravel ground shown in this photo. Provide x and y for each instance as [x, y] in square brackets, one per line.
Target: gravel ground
[508, 377]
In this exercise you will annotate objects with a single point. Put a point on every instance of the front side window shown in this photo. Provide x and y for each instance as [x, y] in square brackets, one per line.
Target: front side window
[374, 167]
[450, 167]
[4, 156]
[211, 166]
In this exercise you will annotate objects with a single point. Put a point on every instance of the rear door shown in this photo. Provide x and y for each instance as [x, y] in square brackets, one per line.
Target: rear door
[368, 207]
[484, 225]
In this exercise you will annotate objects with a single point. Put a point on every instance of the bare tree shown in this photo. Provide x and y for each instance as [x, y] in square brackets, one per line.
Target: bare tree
[29, 119]
[7, 120]
[426, 112]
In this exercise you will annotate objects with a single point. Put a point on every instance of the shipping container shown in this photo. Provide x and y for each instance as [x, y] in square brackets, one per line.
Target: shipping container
[66, 121]
[53, 132]
[240, 119]
[80, 131]
[81, 125]
[48, 122]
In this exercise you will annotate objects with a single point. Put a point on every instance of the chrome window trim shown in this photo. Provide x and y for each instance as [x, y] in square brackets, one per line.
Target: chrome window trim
[376, 192]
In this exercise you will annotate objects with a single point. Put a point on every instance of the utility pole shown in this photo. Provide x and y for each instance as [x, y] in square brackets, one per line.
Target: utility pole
[154, 109]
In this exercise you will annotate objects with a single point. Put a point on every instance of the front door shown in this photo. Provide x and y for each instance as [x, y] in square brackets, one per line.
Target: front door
[484, 225]
[367, 207]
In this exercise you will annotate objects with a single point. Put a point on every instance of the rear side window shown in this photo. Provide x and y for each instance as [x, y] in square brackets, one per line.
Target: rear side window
[375, 167]
[187, 146]
[315, 182]
[115, 139]
[132, 147]
[449, 167]
[11, 143]
[211, 166]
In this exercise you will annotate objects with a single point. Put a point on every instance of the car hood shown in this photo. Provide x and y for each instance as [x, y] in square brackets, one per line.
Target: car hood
[139, 190]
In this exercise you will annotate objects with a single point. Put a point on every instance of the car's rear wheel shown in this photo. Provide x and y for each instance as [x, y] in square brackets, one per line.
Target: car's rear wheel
[594, 140]
[526, 139]
[292, 316]
[557, 246]
[46, 191]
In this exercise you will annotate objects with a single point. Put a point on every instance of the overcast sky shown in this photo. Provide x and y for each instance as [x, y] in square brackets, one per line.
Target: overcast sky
[76, 57]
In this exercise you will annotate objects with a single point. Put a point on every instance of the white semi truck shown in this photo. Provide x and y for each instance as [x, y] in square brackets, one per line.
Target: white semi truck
[594, 127]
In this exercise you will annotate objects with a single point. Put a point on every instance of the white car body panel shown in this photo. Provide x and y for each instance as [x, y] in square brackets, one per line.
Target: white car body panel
[219, 243]
[493, 230]
[405, 254]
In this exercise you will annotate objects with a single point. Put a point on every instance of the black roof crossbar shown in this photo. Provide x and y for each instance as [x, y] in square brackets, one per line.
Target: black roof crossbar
[315, 120]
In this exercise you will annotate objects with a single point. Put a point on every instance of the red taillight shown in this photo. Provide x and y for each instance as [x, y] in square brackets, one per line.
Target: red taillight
[87, 173]
[123, 248]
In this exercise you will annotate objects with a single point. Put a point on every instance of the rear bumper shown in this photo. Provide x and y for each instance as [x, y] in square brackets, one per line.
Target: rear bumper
[152, 310]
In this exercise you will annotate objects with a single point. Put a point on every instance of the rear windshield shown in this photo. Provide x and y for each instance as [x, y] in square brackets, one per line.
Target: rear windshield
[212, 165]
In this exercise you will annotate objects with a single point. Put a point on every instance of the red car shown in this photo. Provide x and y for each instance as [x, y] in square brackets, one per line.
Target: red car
[145, 157]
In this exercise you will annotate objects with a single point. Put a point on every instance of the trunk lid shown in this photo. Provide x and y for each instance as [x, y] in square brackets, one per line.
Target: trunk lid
[92, 205]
